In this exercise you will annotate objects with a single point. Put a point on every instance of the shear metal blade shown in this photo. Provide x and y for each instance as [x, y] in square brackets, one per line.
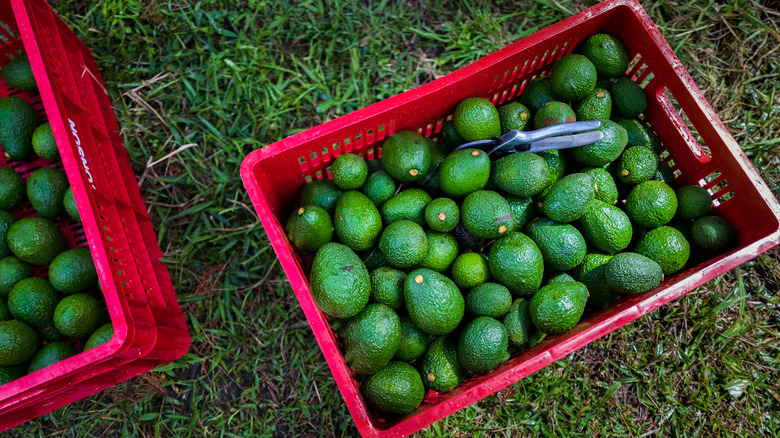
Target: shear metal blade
[565, 141]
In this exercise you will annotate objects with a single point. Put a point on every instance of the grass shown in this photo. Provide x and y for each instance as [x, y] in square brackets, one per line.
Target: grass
[198, 85]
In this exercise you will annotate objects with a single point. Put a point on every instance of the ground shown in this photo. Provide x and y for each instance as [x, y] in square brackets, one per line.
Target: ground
[198, 85]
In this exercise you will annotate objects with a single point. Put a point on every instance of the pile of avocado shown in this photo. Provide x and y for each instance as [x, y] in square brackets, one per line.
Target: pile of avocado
[43, 312]
[434, 264]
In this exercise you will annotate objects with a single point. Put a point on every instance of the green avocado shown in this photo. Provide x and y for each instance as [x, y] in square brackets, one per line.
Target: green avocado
[521, 174]
[397, 389]
[349, 171]
[442, 251]
[570, 197]
[404, 244]
[513, 116]
[73, 271]
[33, 301]
[12, 189]
[518, 323]
[516, 262]
[44, 144]
[69, 202]
[651, 204]
[554, 113]
[607, 53]
[665, 174]
[450, 136]
[430, 181]
[442, 214]
[556, 162]
[340, 283]
[489, 299]
[17, 73]
[320, 192]
[100, 336]
[408, 205]
[606, 227]
[18, 120]
[537, 94]
[487, 214]
[18, 343]
[606, 189]
[433, 301]
[573, 77]
[522, 211]
[50, 354]
[413, 341]
[463, 172]
[693, 202]
[46, 189]
[406, 156]
[640, 134]
[628, 98]
[371, 339]
[713, 233]
[591, 274]
[36, 240]
[595, 106]
[12, 271]
[557, 307]
[631, 273]
[309, 227]
[387, 287]
[477, 119]
[440, 369]
[637, 164]
[482, 345]
[357, 221]
[666, 246]
[562, 246]
[605, 150]
[6, 221]
[470, 269]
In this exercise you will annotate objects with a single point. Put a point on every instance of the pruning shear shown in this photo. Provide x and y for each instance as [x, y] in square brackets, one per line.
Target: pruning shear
[564, 136]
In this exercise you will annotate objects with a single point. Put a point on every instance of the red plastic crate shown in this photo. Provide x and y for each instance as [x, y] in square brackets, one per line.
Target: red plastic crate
[274, 174]
[149, 328]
